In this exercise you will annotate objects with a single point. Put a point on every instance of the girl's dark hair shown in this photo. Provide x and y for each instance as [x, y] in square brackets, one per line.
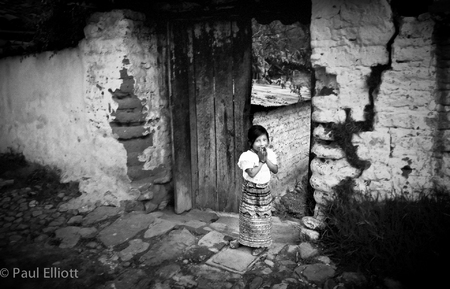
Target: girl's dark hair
[254, 132]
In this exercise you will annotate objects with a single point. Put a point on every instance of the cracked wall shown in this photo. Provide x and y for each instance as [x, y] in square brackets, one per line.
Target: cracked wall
[376, 81]
[406, 121]
[97, 112]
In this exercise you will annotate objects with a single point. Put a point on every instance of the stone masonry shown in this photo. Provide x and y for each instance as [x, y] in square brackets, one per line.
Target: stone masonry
[343, 57]
[404, 144]
[98, 113]
[106, 124]
[139, 117]
[401, 146]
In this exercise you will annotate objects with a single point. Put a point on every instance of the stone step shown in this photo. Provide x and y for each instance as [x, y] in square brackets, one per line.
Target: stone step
[128, 101]
[158, 175]
[339, 169]
[320, 132]
[331, 151]
[127, 84]
[323, 198]
[128, 115]
[327, 116]
[138, 144]
[326, 102]
[133, 159]
[128, 132]
[324, 183]
[312, 223]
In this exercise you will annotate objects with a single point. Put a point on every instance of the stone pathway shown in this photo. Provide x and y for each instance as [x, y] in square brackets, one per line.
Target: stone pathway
[162, 249]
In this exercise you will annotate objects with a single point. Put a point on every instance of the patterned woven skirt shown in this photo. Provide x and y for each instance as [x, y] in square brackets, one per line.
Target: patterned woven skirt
[255, 215]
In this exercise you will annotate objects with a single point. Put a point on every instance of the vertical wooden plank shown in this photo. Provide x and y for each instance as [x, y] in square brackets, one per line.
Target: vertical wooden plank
[224, 115]
[179, 102]
[204, 87]
[242, 44]
[192, 115]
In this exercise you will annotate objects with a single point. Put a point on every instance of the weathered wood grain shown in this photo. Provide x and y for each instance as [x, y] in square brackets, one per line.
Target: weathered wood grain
[242, 89]
[224, 114]
[181, 130]
[206, 142]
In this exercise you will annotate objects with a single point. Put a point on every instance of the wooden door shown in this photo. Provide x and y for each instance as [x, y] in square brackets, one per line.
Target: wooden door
[210, 102]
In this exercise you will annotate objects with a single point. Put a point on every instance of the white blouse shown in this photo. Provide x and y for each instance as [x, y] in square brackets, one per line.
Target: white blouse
[249, 159]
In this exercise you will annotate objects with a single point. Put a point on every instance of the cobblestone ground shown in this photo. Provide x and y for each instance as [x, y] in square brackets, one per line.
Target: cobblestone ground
[33, 256]
[43, 245]
[29, 217]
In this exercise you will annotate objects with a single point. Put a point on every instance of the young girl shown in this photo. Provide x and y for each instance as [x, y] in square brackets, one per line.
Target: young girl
[255, 216]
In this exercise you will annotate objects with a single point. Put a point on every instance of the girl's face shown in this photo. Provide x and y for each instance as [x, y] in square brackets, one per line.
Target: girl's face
[260, 142]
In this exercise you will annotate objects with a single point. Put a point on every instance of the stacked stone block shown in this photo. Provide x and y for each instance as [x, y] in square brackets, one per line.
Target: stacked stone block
[128, 124]
[408, 145]
[347, 42]
[126, 74]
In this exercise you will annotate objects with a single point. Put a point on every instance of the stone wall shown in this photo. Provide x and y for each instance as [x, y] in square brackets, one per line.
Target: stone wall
[289, 128]
[123, 66]
[441, 148]
[97, 112]
[401, 146]
[100, 113]
[376, 81]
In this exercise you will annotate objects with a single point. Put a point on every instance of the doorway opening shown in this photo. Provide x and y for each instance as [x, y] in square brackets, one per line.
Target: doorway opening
[282, 79]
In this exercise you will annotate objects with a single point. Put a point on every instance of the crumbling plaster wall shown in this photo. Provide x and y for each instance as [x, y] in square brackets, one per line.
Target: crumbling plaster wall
[350, 38]
[406, 122]
[56, 109]
[289, 128]
[122, 58]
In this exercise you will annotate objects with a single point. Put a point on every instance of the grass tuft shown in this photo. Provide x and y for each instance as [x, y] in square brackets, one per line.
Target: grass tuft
[403, 237]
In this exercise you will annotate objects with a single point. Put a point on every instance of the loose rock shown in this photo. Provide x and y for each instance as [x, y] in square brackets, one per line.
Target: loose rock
[125, 228]
[135, 247]
[69, 236]
[316, 273]
[75, 220]
[159, 227]
[307, 250]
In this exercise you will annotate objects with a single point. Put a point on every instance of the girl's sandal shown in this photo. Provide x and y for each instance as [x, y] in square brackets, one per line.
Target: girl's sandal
[234, 244]
[257, 251]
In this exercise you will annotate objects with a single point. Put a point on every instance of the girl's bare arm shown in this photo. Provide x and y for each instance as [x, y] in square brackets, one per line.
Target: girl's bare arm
[272, 167]
[255, 170]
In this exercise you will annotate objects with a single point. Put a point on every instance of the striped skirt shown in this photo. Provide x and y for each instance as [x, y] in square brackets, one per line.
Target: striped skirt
[255, 215]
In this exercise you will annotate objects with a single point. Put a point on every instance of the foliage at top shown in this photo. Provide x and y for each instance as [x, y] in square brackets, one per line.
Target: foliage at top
[62, 22]
[52, 24]
[278, 49]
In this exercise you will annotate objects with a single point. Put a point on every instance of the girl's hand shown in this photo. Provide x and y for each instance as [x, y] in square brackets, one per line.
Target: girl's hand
[262, 154]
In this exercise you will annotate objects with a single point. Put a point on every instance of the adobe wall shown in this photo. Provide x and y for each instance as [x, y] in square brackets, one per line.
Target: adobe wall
[289, 128]
[97, 112]
[366, 65]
